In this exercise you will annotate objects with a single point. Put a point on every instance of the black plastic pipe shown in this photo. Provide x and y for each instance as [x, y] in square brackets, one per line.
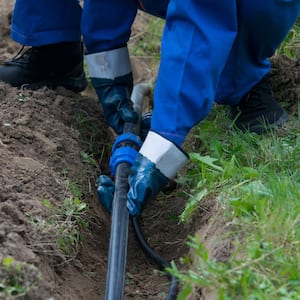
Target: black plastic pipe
[116, 270]
[173, 289]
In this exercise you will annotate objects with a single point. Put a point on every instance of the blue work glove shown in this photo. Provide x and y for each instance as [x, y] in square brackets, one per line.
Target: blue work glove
[111, 76]
[114, 96]
[105, 192]
[145, 182]
[157, 162]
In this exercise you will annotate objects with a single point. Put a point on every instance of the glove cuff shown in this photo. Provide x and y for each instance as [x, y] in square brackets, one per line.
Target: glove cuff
[109, 64]
[166, 156]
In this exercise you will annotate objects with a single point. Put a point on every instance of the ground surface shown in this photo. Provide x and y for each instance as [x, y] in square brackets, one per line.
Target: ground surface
[42, 137]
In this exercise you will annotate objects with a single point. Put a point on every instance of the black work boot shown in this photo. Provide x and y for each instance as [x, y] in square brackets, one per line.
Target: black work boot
[258, 111]
[51, 65]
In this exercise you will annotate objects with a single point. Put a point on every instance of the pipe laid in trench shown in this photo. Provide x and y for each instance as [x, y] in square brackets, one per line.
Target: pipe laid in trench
[115, 277]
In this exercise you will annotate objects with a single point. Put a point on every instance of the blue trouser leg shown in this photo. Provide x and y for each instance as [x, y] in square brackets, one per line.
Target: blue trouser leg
[106, 24]
[262, 26]
[37, 23]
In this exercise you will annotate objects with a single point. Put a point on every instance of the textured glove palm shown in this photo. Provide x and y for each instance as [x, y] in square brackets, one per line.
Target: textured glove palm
[114, 96]
[145, 182]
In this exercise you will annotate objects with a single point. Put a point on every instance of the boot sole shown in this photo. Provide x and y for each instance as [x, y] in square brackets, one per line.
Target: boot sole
[74, 83]
[264, 127]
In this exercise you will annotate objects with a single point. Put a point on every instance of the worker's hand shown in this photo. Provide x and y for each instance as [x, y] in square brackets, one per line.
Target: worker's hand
[145, 182]
[105, 192]
[157, 162]
[114, 96]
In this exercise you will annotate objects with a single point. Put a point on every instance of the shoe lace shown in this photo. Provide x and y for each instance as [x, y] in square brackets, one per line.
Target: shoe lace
[23, 56]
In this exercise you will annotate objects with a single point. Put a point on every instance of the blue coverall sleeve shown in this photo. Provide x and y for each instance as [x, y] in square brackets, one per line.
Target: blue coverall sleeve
[196, 42]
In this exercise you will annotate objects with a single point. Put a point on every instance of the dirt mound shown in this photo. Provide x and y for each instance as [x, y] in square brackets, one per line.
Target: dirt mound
[285, 77]
[40, 159]
[46, 138]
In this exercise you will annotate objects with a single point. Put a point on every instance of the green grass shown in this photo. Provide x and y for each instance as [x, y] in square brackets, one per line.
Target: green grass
[291, 45]
[146, 41]
[60, 232]
[255, 179]
[17, 278]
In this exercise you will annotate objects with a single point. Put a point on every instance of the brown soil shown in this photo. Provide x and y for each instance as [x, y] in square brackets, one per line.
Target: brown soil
[42, 136]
